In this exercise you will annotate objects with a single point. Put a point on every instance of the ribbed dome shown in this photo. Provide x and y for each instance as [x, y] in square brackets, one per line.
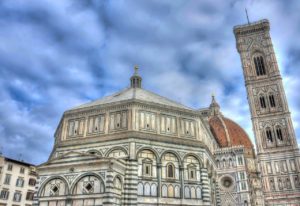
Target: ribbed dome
[228, 133]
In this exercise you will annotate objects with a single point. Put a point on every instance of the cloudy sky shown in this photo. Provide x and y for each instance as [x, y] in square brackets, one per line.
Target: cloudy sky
[55, 55]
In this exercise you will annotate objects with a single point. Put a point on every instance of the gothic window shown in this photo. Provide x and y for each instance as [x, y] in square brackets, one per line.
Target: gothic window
[262, 102]
[170, 170]
[272, 100]
[259, 66]
[279, 133]
[269, 135]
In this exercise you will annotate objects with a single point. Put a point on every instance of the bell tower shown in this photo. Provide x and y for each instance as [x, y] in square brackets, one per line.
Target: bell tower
[277, 148]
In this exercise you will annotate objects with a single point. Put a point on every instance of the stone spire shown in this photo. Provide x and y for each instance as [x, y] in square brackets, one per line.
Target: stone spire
[136, 80]
[214, 106]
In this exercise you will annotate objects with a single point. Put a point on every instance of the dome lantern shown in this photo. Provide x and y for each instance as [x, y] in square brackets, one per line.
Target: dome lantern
[136, 79]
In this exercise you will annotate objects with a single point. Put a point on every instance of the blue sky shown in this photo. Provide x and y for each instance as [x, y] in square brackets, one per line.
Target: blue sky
[55, 55]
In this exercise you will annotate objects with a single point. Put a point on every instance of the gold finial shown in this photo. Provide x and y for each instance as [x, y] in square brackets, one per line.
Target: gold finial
[136, 68]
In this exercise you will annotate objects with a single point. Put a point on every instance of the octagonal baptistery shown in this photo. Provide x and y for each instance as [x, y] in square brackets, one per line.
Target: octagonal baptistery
[131, 148]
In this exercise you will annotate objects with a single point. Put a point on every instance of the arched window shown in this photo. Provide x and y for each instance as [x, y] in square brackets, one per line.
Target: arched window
[177, 191]
[259, 66]
[170, 170]
[187, 192]
[170, 191]
[272, 100]
[140, 189]
[192, 172]
[262, 102]
[269, 135]
[164, 191]
[279, 134]
[147, 189]
[153, 190]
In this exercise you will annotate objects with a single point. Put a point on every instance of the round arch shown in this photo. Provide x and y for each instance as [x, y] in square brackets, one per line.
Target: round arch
[84, 175]
[196, 156]
[174, 153]
[116, 148]
[150, 149]
[53, 178]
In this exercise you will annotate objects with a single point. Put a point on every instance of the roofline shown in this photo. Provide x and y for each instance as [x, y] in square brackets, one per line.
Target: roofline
[18, 161]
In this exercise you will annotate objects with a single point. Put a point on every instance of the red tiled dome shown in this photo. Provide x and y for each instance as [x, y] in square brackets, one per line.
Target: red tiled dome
[228, 133]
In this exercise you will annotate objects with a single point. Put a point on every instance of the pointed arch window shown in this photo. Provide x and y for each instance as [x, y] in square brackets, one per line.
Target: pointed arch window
[279, 133]
[262, 102]
[272, 100]
[269, 135]
[259, 66]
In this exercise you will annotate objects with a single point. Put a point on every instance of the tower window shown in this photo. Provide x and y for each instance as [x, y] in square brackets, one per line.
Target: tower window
[262, 102]
[272, 100]
[269, 135]
[259, 66]
[279, 133]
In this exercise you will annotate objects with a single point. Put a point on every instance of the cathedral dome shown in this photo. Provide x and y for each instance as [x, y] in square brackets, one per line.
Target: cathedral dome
[228, 133]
